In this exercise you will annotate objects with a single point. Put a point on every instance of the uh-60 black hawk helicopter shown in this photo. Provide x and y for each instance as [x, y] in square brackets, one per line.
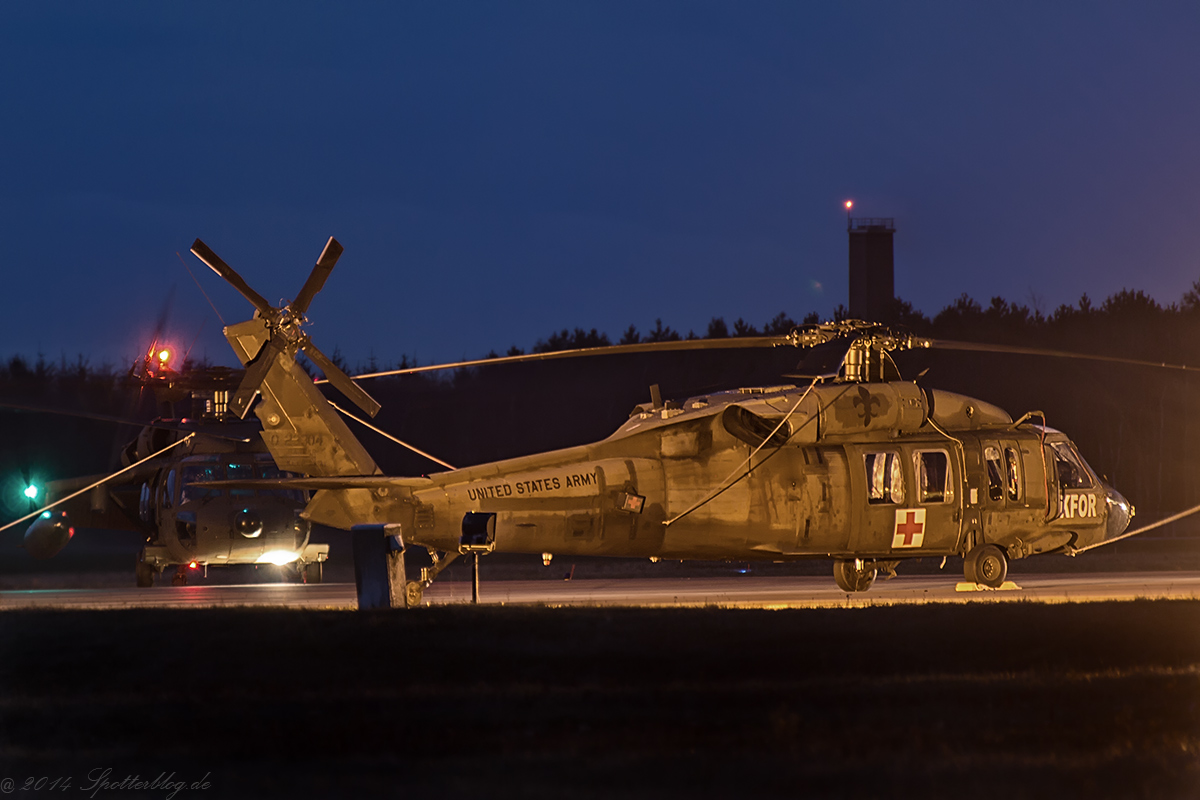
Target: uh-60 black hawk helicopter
[851, 463]
[158, 489]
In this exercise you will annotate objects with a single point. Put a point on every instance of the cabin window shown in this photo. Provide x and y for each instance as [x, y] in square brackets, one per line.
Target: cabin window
[1012, 471]
[991, 457]
[1072, 474]
[885, 478]
[932, 468]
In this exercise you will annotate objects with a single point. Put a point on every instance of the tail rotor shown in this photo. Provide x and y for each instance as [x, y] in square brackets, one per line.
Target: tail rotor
[284, 329]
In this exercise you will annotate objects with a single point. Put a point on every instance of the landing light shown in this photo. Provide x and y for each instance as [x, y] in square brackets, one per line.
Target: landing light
[277, 557]
[164, 356]
[31, 492]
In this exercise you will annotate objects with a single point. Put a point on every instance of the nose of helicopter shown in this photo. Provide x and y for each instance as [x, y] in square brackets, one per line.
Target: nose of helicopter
[1120, 512]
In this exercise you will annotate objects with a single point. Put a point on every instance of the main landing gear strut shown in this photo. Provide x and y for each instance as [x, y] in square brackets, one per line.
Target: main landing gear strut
[414, 591]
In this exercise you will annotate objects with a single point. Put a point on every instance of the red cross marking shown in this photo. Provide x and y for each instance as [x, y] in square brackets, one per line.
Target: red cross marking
[909, 528]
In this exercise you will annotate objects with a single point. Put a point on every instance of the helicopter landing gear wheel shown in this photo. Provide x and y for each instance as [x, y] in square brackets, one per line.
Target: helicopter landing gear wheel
[986, 565]
[853, 575]
[180, 576]
[145, 575]
[313, 572]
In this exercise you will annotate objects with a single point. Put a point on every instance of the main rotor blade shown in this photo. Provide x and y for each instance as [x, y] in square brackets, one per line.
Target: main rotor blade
[255, 373]
[318, 276]
[214, 262]
[731, 343]
[162, 426]
[163, 315]
[340, 380]
[977, 347]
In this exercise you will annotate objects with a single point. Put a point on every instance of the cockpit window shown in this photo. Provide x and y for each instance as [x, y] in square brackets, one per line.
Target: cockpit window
[1072, 474]
[269, 470]
[208, 468]
[237, 472]
[885, 478]
[169, 492]
[200, 473]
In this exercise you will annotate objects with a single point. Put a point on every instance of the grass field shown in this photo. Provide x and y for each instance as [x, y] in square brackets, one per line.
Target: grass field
[981, 700]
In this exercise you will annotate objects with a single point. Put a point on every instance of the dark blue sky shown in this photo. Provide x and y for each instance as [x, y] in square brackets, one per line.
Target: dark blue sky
[497, 171]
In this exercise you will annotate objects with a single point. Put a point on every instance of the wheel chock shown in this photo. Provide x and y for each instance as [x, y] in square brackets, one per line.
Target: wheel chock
[967, 586]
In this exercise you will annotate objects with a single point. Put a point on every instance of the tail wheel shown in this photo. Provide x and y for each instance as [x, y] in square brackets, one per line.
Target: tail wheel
[853, 576]
[986, 565]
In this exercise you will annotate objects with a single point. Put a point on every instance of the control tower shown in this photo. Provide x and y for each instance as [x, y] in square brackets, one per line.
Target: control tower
[872, 269]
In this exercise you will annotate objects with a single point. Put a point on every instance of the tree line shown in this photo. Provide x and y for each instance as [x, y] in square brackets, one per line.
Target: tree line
[1137, 426]
[1129, 320]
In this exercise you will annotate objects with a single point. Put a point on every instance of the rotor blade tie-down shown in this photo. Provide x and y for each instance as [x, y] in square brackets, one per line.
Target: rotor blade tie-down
[201, 288]
[721, 487]
[387, 435]
[1150, 527]
[73, 495]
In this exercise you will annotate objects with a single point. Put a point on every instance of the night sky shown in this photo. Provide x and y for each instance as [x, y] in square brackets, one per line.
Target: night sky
[497, 171]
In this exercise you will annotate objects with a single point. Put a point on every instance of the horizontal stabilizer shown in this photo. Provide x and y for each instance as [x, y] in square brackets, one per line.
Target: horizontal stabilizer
[335, 482]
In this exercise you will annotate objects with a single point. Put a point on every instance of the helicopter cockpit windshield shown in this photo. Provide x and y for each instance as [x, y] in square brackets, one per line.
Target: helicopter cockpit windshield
[1072, 472]
[200, 470]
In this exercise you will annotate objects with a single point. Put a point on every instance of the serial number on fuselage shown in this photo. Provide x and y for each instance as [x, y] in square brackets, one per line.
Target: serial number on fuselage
[532, 486]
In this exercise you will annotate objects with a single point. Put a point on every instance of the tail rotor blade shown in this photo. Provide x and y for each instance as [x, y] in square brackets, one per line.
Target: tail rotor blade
[214, 262]
[340, 380]
[318, 276]
[255, 373]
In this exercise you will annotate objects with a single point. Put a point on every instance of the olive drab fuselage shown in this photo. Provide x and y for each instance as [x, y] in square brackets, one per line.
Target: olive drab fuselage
[879, 471]
[843, 484]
